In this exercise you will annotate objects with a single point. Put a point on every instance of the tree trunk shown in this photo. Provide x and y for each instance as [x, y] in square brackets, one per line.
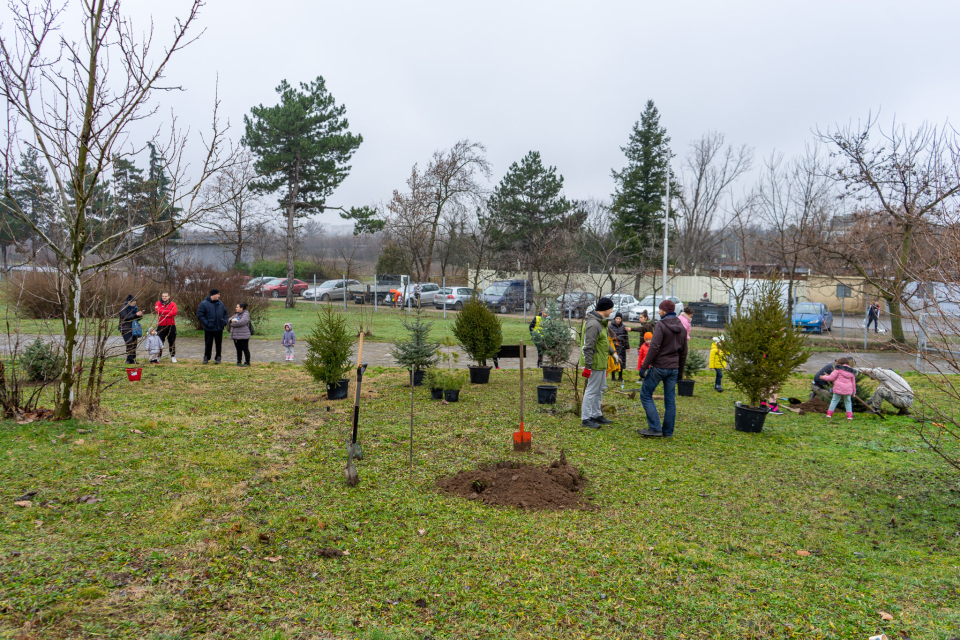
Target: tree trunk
[291, 235]
[71, 322]
[893, 297]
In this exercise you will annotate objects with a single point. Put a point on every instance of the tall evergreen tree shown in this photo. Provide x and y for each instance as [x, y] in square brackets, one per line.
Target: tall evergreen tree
[641, 186]
[302, 146]
[130, 189]
[527, 205]
[35, 196]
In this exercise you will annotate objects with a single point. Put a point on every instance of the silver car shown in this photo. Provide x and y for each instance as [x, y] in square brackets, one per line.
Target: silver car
[329, 290]
[428, 292]
[650, 304]
[454, 297]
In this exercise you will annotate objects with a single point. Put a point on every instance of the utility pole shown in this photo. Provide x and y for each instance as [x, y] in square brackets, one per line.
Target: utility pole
[666, 240]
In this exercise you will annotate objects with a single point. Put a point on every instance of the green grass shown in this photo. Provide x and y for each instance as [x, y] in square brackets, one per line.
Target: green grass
[201, 474]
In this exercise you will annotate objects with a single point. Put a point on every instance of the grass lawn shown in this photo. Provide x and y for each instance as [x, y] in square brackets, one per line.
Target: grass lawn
[210, 493]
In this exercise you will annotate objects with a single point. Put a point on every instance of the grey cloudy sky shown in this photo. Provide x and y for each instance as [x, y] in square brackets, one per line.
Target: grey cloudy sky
[568, 79]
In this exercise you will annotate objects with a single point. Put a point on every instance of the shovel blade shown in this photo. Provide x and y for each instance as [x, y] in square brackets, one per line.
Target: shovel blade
[522, 441]
[354, 450]
[351, 473]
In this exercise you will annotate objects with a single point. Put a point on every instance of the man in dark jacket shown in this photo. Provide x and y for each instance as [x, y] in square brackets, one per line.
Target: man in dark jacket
[664, 362]
[213, 318]
[821, 389]
[594, 351]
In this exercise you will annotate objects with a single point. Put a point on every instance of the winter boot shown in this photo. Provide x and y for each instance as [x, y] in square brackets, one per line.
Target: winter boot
[849, 415]
[829, 414]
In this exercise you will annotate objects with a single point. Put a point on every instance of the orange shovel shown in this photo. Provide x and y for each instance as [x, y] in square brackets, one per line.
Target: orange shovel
[521, 439]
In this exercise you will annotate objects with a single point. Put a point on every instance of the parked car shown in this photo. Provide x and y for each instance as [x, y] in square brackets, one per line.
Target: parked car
[576, 303]
[622, 302]
[647, 304]
[428, 292]
[277, 287]
[812, 316]
[455, 297]
[508, 295]
[329, 290]
[253, 283]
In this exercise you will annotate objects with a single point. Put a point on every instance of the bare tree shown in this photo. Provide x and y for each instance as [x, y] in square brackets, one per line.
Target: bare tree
[903, 178]
[237, 211]
[601, 248]
[77, 109]
[708, 172]
[791, 198]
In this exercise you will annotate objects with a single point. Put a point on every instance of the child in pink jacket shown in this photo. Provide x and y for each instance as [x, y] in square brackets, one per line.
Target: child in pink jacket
[844, 381]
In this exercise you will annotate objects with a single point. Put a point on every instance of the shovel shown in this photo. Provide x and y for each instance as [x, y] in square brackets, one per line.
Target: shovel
[521, 439]
[354, 450]
[869, 408]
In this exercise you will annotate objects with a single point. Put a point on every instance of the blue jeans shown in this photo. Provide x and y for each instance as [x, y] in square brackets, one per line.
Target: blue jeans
[847, 402]
[669, 379]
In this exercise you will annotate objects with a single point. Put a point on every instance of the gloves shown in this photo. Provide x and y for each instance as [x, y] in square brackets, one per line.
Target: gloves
[616, 358]
[586, 373]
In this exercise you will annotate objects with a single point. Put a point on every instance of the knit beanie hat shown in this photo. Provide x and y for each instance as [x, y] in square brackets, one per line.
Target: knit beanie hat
[604, 304]
[214, 292]
[668, 306]
[647, 335]
[619, 315]
[129, 298]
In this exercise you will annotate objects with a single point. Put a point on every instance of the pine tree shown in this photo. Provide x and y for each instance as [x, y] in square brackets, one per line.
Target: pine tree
[527, 203]
[417, 353]
[478, 331]
[302, 146]
[761, 347]
[32, 191]
[641, 186]
[329, 348]
[555, 340]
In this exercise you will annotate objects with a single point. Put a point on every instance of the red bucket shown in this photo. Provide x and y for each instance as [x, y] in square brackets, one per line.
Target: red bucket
[133, 375]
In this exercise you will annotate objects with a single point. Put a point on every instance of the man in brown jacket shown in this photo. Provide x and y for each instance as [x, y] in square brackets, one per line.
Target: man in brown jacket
[664, 362]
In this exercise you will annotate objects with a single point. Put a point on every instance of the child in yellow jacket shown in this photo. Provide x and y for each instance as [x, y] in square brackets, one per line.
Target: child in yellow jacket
[718, 361]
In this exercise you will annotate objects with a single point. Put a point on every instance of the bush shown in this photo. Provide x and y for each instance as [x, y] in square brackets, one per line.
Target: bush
[434, 378]
[762, 349]
[302, 270]
[453, 380]
[41, 361]
[695, 364]
[478, 331]
[329, 348]
[193, 285]
[41, 295]
[555, 339]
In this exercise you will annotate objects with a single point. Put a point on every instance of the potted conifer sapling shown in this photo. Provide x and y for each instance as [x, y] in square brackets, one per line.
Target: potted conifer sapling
[555, 340]
[416, 353]
[478, 331]
[762, 351]
[694, 365]
[329, 353]
[453, 382]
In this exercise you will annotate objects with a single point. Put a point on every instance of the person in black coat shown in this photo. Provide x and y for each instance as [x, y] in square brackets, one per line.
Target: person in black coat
[620, 334]
[213, 318]
[128, 314]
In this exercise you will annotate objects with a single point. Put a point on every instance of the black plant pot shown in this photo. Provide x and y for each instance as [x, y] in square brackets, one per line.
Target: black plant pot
[451, 395]
[418, 377]
[480, 375]
[749, 420]
[552, 374]
[685, 387]
[546, 393]
[436, 394]
[338, 391]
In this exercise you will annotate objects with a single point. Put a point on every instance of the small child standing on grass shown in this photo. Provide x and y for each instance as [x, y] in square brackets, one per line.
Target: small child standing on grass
[289, 339]
[718, 362]
[844, 381]
[154, 346]
[642, 354]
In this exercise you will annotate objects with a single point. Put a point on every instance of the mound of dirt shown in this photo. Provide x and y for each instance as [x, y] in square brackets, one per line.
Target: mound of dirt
[511, 484]
[812, 406]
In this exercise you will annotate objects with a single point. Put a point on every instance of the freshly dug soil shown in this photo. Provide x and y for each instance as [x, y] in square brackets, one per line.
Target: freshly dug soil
[511, 484]
[812, 406]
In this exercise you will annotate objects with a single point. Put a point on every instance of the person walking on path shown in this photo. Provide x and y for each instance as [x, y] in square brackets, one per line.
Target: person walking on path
[166, 310]
[535, 334]
[664, 362]
[873, 315]
[622, 340]
[213, 318]
[289, 339]
[718, 362]
[844, 381]
[129, 315]
[892, 388]
[239, 329]
[686, 319]
[593, 357]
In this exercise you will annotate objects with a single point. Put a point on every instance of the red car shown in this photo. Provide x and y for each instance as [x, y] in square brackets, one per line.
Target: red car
[278, 287]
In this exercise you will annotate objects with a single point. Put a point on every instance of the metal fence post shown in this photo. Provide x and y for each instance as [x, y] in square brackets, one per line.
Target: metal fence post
[374, 293]
[524, 300]
[314, 292]
[344, 292]
[444, 297]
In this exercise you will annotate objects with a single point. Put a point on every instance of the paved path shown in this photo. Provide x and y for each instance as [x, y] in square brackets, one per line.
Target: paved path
[378, 354]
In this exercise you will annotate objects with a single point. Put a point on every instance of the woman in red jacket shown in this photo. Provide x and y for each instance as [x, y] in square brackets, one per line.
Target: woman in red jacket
[167, 324]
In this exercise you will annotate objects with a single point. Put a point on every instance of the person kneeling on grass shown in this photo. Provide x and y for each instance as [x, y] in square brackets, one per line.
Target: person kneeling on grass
[892, 388]
[844, 381]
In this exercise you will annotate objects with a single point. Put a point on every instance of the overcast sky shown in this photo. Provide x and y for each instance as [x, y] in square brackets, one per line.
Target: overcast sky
[566, 78]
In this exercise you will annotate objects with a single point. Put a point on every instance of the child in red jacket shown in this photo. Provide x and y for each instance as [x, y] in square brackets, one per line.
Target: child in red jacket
[642, 355]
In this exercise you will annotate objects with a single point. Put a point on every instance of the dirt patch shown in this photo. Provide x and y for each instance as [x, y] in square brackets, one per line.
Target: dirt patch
[512, 484]
[812, 406]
